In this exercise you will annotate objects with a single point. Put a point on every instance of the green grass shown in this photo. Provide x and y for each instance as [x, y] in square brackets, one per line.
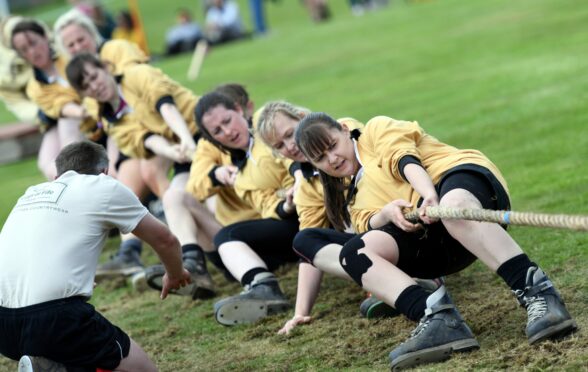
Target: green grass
[507, 78]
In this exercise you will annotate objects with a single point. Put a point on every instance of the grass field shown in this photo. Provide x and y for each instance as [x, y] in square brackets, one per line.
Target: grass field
[507, 78]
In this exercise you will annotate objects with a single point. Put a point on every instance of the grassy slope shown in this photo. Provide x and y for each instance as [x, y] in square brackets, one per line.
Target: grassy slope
[503, 77]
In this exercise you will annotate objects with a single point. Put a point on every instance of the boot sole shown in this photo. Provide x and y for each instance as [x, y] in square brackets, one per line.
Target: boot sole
[154, 277]
[554, 332]
[104, 274]
[381, 310]
[246, 311]
[433, 354]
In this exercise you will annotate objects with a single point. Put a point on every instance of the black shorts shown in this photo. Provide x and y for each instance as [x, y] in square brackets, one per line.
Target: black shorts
[270, 238]
[69, 331]
[181, 168]
[308, 242]
[432, 252]
[121, 159]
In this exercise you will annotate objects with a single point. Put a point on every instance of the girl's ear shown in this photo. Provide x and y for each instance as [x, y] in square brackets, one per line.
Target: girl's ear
[345, 128]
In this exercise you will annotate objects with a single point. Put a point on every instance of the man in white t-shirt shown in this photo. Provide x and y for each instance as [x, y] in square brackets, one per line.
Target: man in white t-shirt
[49, 249]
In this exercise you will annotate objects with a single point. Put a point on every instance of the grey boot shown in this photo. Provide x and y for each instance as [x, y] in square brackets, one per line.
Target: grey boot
[548, 317]
[439, 333]
[201, 287]
[261, 298]
[121, 264]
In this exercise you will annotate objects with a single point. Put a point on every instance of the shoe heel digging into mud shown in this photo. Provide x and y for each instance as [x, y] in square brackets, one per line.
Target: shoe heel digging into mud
[440, 332]
[260, 299]
[39, 364]
[547, 315]
[201, 287]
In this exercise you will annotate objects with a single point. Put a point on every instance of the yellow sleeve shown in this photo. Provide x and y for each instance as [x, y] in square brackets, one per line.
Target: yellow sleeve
[150, 83]
[310, 205]
[360, 219]
[391, 140]
[51, 97]
[121, 54]
[129, 136]
[206, 157]
[262, 191]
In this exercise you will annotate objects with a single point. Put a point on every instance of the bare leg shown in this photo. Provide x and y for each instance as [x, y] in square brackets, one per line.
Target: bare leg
[69, 131]
[327, 260]
[154, 172]
[137, 360]
[239, 258]
[47, 153]
[487, 241]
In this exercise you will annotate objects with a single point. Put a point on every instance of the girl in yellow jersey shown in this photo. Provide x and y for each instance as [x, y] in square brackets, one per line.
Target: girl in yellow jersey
[148, 113]
[61, 112]
[396, 165]
[75, 33]
[250, 249]
[276, 127]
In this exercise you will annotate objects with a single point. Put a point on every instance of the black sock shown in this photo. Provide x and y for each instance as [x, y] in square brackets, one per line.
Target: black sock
[250, 275]
[130, 245]
[412, 302]
[514, 271]
[191, 251]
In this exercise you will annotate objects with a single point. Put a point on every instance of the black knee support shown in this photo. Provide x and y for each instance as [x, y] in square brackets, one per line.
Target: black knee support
[354, 264]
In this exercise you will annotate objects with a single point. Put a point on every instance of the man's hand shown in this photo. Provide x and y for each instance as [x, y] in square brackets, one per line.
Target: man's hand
[296, 320]
[172, 283]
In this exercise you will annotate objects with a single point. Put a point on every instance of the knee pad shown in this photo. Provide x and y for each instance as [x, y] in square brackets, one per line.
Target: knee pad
[354, 264]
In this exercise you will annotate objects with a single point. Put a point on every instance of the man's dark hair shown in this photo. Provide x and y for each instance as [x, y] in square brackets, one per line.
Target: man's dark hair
[83, 157]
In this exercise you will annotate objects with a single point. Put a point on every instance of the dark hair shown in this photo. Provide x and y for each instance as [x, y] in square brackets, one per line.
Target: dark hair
[237, 93]
[313, 138]
[126, 17]
[28, 25]
[76, 69]
[206, 103]
[83, 157]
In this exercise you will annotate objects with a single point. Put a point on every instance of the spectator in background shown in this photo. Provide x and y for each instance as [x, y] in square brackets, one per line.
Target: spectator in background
[223, 22]
[126, 29]
[101, 18]
[257, 11]
[318, 9]
[184, 36]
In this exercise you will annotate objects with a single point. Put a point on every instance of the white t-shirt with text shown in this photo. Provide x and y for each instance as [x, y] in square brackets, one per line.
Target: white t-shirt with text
[51, 241]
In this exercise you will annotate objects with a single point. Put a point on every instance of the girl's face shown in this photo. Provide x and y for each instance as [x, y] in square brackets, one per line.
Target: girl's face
[76, 39]
[338, 159]
[283, 141]
[34, 48]
[227, 126]
[98, 84]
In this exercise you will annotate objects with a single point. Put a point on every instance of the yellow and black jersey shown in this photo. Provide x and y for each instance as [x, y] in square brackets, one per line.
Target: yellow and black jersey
[261, 178]
[120, 54]
[52, 94]
[143, 90]
[202, 184]
[384, 142]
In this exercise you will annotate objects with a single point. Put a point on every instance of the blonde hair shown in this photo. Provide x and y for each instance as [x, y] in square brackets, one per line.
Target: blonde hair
[75, 17]
[266, 124]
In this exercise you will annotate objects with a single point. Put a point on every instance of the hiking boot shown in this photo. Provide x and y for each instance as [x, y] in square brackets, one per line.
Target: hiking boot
[440, 332]
[201, 287]
[39, 364]
[260, 299]
[372, 308]
[121, 264]
[548, 317]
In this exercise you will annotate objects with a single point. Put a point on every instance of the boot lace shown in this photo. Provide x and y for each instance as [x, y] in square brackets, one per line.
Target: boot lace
[536, 307]
[423, 324]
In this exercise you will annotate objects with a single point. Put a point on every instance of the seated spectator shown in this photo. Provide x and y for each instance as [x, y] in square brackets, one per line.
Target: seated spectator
[184, 35]
[223, 22]
[318, 9]
[127, 29]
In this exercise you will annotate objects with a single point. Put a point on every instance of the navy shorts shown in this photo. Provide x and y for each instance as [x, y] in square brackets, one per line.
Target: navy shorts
[69, 331]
